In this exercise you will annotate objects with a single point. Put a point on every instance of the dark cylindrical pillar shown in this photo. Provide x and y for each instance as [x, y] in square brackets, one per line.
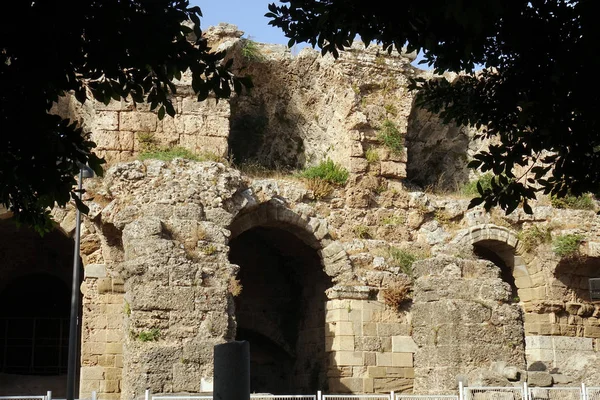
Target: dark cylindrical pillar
[232, 371]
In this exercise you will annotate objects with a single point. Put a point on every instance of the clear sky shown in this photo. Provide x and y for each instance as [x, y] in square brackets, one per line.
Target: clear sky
[248, 15]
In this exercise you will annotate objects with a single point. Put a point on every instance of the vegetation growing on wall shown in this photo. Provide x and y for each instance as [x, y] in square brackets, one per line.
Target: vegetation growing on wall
[470, 188]
[391, 137]
[533, 237]
[567, 245]
[583, 202]
[327, 171]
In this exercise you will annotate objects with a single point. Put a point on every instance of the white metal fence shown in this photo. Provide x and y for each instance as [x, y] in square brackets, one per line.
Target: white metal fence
[465, 393]
[494, 393]
[592, 393]
[556, 393]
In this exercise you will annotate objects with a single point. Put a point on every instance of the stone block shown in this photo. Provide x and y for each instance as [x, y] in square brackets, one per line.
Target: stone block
[369, 329]
[393, 169]
[113, 335]
[89, 385]
[538, 342]
[346, 385]
[398, 385]
[336, 315]
[376, 372]
[119, 361]
[591, 331]
[114, 348]
[368, 385]
[94, 271]
[92, 373]
[404, 344]
[385, 329]
[384, 360]
[358, 165]
[369, 358]
[109, 386]
[113, 373]
[348, 358]
[573, 343]
[539, 379]
[343, 343]
[106, 360]
[138, 121]
[402, 359]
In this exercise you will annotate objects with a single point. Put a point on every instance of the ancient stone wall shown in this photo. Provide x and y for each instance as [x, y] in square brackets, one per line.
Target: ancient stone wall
[162, 286]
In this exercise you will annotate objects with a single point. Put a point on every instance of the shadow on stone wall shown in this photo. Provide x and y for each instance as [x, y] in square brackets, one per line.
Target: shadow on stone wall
[437, 153]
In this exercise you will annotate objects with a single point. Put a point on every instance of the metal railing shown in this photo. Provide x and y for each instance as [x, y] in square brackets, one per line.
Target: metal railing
[357, 396]
[592, 393]
[556, 393]
[426, 397]
[495, 393]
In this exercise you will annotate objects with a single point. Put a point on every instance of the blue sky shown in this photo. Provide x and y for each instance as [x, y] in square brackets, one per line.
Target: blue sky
[248, 15]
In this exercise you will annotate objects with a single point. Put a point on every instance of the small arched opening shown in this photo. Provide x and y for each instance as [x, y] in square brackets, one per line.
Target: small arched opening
[35, 292]
[281, 308]
[503, 256]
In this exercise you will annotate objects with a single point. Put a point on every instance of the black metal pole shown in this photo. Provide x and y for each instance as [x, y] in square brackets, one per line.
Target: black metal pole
[72, 360]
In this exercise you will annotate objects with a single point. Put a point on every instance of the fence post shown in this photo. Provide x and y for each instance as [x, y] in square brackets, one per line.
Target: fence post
[49, 395]
[319, 395]
[147, 397]
[525, 391]
[94, 395]
[584, 395]
[461, 394]
[392, 396]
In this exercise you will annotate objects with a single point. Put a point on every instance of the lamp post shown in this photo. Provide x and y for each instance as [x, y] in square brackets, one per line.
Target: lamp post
[84, 172]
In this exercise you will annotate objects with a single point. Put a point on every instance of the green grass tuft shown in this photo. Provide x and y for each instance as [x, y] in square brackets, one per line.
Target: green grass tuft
[149, 336]
[470, 188]
[327, 171]
[391, 137]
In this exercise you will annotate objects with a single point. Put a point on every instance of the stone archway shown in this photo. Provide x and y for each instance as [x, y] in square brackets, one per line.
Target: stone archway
[35, 290]
[281, 308]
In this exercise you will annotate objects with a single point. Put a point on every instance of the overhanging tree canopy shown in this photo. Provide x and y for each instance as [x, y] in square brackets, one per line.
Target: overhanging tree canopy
[539, 94]
[106, 49]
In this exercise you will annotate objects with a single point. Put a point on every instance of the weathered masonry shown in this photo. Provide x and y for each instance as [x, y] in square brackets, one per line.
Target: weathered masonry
[181, 255]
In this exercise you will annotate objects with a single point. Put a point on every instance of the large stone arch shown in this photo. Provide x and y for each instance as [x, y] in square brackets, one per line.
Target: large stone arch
[282, 305]
[35, 289]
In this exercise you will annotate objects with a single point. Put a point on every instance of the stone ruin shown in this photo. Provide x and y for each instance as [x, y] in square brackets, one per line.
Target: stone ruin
[180, 255]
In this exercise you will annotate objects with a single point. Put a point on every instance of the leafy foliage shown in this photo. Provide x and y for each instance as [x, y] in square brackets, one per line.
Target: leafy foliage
[106, 50]
[250, 51]
[397, 293]
[567, 245]
[327, 171]
[538, 94]
[391, 137]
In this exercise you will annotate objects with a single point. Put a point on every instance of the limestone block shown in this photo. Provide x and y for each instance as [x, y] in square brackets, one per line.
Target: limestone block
[393, 169]
[385, 329]
[402, 359]
[369, 358]
[356, 149]
[94, 271]
[114, 348]
[138, 121]
[343, 343]
[358, 165]
[376, 372]
[539, 379]
[398, 385]
[573, 343]
[384, 360]
[404, 344]
[344, 328]
[109, 386]
[107, 360]
[368, 385]
[591, 331]
[106, 120]
[538, 342]
[348, 358]
[369, 329]
[346, 385]
[89, 385]
[92, 373]
[336, 315]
